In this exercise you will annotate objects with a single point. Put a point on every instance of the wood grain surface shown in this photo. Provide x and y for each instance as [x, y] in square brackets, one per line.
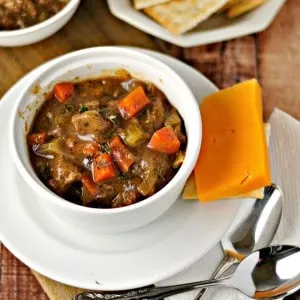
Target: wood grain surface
[273, 56]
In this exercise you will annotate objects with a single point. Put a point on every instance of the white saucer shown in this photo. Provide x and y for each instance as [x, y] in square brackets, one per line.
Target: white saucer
[215, 29]
[108, 262]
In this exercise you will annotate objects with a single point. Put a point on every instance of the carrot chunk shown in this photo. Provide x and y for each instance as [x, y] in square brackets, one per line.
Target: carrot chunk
[63, 91]
[90, 185]
[103, 168]
[165, 140]
[90, 149]
[120, 154]
[133, 103]
[37, 138]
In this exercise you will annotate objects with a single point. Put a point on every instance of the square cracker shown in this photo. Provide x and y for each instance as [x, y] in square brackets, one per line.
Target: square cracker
[141, 4]
[179, 16]
[243, 7]
[229, 4]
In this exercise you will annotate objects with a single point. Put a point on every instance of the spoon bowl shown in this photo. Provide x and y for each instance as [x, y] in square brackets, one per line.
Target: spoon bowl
[258, 228]
[273, 272]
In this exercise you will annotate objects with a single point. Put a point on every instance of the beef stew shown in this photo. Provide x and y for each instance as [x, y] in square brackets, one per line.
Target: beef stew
[106, 142]
[18, 14]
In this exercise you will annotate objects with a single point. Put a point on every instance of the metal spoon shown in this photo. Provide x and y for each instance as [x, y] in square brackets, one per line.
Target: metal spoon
[265, 214]
[256, 230]
[270, 272]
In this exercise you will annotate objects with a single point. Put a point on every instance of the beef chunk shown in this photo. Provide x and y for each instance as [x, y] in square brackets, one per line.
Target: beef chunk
[154, 117]
[154, 169]
[30, 9]
[90, 122]
[64, 173]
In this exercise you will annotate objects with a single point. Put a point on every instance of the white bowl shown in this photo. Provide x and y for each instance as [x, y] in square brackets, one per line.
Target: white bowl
[91, 63]
[40, 31]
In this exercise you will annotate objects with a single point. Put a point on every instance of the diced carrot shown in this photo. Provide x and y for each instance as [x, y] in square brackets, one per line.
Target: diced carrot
[165, 140]
[120, 154]
[133, 103]
[90, 185]
[37, 138]
[63, 91]
[103, 168]
[90, 149]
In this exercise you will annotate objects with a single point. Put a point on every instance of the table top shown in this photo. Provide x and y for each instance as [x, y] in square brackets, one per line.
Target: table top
[272, 56]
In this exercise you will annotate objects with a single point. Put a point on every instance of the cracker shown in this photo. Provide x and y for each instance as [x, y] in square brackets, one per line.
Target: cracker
[141, 4]
[190, 189]
[243, 7]
[180, 16]
[228, 5]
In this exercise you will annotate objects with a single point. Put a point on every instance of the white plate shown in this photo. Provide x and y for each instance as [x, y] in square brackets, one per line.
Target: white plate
[108, 262]
[215, 29]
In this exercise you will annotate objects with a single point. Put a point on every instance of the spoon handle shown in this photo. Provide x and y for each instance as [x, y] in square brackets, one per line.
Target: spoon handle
[225, 264]
[153, 293]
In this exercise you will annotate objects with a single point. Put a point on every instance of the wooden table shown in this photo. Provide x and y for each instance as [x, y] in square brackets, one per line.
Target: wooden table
[273, 56]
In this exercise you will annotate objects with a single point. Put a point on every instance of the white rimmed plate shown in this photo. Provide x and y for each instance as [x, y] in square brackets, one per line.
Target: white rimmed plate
[215, 29]
[108, 262]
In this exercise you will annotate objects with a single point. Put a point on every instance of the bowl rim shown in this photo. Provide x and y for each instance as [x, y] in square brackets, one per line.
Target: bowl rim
[39, 26]
[184, 171]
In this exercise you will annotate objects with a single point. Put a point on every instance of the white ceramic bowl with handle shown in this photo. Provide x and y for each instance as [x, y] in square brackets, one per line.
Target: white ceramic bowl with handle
[90, 63]
[40, 31]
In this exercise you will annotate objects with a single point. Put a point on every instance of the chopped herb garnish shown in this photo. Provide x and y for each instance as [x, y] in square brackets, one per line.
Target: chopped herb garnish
[104, 147]
[68, 107]
[126, 176]
[83, 109]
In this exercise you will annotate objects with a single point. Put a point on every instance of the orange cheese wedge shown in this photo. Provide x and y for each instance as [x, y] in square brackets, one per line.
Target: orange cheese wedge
[233, 159]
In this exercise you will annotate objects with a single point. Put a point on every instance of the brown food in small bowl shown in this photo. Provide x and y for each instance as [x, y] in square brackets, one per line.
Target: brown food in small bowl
[107, 142]
[18, 14]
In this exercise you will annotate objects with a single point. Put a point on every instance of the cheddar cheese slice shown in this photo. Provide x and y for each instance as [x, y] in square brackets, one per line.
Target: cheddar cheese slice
[233, 158]
[190, 189]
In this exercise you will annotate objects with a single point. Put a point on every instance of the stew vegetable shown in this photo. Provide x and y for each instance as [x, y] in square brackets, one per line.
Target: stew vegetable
[107, 142]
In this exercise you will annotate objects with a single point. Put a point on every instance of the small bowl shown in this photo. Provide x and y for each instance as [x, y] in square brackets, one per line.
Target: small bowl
[92, 63]
[40, 31]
